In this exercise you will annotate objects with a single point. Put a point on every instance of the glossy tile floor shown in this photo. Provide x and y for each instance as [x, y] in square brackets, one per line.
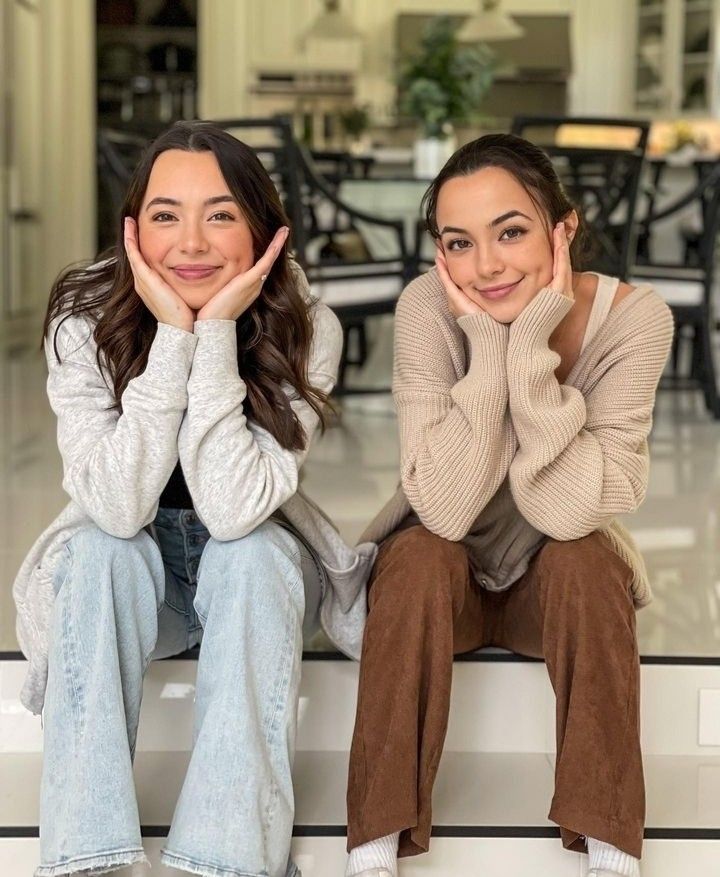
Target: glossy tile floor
[354, 468]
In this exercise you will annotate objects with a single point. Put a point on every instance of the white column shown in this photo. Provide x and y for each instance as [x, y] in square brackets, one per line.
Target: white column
[68, 72]
[224, 72]
[603, 54]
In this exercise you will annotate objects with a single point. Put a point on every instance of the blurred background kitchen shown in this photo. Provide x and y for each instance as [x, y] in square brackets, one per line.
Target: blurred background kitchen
[354, 105]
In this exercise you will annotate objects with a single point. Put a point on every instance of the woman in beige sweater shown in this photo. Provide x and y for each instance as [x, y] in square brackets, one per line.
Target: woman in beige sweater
[525, 394]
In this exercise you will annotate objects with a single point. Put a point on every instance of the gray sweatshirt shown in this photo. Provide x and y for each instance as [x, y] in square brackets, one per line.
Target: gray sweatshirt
[186, 405]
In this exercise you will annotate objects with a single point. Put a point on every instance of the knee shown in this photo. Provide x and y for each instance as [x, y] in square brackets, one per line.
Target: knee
[96, 562]
[260, 568]
[92, 546]
[419, 568]
[587, 574]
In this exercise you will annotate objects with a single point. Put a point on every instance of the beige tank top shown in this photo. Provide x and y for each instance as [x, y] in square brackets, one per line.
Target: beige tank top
[604, 298]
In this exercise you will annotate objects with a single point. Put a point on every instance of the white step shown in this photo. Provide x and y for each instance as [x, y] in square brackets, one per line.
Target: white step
[448, 857]
[478, 790]
[499, 705]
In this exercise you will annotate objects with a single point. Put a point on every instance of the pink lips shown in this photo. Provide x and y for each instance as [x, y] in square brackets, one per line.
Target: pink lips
[496, 292]
[194, 272]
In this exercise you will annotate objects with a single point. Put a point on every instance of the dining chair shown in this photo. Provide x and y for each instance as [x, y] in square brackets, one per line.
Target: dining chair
[687, 282]
[600, 162]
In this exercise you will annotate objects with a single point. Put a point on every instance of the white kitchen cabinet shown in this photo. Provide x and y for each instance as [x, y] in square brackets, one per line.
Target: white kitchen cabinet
[676, 64]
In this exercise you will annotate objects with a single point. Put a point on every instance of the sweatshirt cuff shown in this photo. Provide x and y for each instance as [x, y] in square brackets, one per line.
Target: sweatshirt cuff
[216, 357]
[488, 343]
[536, 323]
[171, 356]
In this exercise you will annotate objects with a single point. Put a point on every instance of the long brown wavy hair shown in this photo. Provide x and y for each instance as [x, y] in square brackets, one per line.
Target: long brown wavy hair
[274, 335]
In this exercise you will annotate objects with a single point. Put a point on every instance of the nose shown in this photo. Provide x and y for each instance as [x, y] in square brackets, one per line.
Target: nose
[192, 238]
[488, 260]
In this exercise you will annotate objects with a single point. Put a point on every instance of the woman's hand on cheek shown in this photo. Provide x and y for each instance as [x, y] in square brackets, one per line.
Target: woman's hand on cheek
[459, 303]
[159, 297]
[562, 279]
[238, 294]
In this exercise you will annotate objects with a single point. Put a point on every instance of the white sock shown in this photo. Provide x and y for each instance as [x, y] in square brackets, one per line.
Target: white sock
[380, 853]
[607, 859]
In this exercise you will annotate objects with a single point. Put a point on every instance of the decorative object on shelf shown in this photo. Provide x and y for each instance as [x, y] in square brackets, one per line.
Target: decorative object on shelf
[700, 44]
[490, 24]
[696, 94]
[118, 61]
[354, 122]
[169, 57]
[651, 49]
[443, 86]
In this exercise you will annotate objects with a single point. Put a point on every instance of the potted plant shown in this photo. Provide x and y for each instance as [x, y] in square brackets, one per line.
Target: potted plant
[443, 86]
[355, 121]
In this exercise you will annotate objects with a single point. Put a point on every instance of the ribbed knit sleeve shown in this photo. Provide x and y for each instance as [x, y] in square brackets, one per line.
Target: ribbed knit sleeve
[456, 442]
[582, 458]
[115, 466]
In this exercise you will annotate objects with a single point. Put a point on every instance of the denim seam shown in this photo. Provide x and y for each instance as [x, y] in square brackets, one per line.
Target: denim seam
[271, 725]
[91, 862]
[71, 661]
[174, 860]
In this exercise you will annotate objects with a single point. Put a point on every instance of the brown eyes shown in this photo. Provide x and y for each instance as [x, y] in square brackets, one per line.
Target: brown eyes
[170, 217]
[513, 233]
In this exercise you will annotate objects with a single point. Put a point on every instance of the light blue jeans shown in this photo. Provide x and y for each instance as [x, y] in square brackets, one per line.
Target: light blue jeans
[121, 603]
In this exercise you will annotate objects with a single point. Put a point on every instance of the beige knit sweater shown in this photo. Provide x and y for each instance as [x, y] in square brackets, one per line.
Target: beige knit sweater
[497, 453]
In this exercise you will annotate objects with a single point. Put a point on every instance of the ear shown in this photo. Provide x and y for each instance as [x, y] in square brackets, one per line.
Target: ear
[571, 222]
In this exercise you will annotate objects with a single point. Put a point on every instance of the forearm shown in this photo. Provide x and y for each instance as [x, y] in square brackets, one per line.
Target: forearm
[237, 474]
[580, 461]
[456, 448]
[117, 475]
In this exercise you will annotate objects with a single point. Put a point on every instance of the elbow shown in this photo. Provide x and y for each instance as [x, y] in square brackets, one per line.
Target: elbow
[452, 531]
[121, 529]
[227, 531]
[564, 525]
[239, 518]
[122, 526]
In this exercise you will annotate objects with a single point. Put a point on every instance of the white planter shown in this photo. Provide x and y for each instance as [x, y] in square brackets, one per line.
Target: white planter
[430, 154]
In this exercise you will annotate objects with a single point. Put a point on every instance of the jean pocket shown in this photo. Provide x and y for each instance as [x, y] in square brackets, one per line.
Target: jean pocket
[63, 569]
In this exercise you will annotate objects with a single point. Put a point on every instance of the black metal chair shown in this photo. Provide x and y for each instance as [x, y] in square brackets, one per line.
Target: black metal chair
[118, 152]
[602, 180]
[687, 283]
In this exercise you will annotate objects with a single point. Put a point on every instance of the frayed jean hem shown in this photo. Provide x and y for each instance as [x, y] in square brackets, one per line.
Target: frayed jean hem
[172, 860]
[98, 863]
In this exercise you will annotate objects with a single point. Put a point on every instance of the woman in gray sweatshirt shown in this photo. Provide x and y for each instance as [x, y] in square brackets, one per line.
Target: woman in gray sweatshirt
[188, 372]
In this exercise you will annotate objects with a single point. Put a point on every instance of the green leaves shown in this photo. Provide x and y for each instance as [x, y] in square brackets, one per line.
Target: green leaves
[446, 82]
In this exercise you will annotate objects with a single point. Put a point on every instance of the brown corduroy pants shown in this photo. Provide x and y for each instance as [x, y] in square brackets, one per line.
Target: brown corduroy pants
[573, 607]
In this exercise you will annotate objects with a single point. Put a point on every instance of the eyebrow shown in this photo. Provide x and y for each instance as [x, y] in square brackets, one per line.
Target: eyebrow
[217, 199]
[500, 219]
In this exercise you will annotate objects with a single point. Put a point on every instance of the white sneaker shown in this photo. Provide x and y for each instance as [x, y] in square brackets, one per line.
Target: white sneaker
[601, 872]
[374, 872]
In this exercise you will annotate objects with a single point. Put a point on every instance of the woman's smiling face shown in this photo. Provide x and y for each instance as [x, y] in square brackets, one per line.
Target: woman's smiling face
[190, 228]
[496, 241]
